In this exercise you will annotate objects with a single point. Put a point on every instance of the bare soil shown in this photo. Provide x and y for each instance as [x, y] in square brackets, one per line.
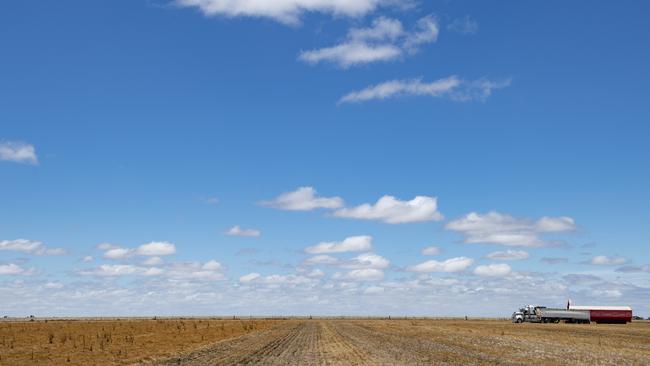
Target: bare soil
[320, 342]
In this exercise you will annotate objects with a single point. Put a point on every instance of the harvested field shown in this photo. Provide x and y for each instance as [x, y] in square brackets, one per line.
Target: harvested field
[338, 342]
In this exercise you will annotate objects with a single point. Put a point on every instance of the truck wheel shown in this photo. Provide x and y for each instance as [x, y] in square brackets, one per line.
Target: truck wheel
[520, 320]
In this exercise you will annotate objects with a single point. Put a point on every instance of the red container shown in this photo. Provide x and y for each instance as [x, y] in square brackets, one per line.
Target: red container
[608, 314]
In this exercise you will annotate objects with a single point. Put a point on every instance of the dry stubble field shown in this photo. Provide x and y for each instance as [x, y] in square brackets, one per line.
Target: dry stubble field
[320, 342]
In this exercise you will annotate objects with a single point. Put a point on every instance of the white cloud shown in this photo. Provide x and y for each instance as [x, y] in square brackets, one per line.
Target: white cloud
[212, 265]
[315, 273]
[390, 210]
[238, 231]
[53, 285]
[10, 269]
[451, 87]
[349, 244]
[496, 228]
[464, 25]
[366, 274]
[156, 248]
[426, 31]
[605, 260]
[432, 250]
[106, 246]
[303, 199]
[322, 259]
[493, 270]
[118, 253]
[366, 260]
[30, 247]
[385, 40]
[249, 277]
[509, 255]
[450, 265]
[18, 152]
[88, 259]
[113, 270]
[212, 200]
[284, 11]
[194, 271]
[353, 53]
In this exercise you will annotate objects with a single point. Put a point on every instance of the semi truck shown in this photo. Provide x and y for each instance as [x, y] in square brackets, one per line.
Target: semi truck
[573, 314]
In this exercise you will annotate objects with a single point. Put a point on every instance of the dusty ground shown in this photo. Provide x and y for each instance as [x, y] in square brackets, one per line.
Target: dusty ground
[331, 342]
[113, 341]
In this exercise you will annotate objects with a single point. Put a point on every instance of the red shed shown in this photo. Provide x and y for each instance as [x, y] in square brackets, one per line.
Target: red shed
[607, 314]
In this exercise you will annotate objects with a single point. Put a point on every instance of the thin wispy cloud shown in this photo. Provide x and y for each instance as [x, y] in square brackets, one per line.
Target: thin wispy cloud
[285, 11]
[349, 244]
[18, 152]
[391, 210]
[509, 255]
[30, 247]
[432, 250]
[239, 231]
[502, 229]
[607, 261]
[449, 265]
[451, 87]
[463, 25]
[384, 40]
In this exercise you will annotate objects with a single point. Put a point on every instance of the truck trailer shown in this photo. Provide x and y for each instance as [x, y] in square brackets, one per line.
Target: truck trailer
[573, 314]
[607, 314]
[542, 314]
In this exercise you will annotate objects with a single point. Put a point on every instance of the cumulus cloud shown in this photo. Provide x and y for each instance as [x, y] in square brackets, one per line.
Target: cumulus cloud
[451, 87]
[493, 270]
[286, 11]
[384, 40]
[238, 231]
[30, 247]
[156, 248]
[509, 255]
[186, 271]
[391, 210]
[366, 274]
[366, 260]
[350, 244]
[432, 250]
[608, 261]
[463, 25]
[501, 229]
[152, 249]
[450, 265]
[11, 269]
[18, 152]
[303, 199]
[118, 253]
[249, 277]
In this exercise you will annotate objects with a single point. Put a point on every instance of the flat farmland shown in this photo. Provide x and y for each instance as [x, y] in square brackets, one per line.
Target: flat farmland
[321, 342]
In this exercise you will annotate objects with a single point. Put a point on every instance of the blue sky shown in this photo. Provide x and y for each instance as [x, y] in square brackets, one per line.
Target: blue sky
[188, 157]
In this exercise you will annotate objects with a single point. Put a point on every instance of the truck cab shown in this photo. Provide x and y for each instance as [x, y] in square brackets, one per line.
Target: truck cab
[528, 313]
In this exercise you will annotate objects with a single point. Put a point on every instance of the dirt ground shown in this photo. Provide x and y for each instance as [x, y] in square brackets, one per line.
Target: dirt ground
[365, 342]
